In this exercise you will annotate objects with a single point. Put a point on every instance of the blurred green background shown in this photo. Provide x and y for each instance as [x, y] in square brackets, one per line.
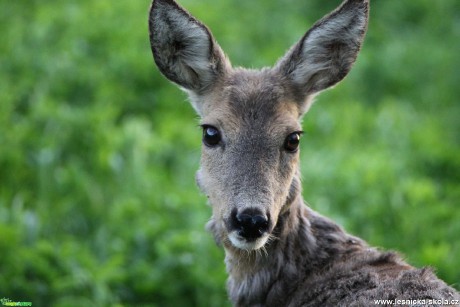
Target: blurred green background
[98, 205]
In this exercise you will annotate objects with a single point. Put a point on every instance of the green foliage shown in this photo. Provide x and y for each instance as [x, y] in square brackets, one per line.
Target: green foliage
[98, 204]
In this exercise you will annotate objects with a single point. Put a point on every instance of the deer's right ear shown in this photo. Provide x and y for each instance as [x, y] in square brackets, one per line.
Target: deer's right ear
[183, 48]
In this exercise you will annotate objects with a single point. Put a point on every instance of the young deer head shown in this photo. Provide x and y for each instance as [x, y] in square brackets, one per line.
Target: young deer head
[251, 118]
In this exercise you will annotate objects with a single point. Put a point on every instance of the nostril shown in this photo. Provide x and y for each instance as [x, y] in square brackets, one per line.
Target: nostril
[244, 219]
[247, 220]
[251, 224]
[260, 222]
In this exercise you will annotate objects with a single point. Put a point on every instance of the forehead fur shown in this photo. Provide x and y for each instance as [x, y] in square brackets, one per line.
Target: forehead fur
[252, 97]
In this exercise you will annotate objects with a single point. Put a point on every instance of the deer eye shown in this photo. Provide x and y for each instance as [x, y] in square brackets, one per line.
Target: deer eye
[291, 144]
[211, 136]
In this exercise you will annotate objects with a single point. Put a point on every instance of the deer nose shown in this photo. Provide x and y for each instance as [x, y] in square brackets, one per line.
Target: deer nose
[251, 224]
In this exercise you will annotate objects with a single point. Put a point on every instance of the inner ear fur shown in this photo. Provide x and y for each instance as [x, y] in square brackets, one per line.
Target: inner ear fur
[326, 52]
[183, 48]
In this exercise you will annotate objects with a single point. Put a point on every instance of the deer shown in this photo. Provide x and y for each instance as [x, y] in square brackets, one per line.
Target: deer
[278, 251]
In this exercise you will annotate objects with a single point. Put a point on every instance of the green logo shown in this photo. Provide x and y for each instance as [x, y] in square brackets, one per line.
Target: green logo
[8, 302]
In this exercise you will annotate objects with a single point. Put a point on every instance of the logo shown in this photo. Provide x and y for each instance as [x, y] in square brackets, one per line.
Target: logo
[8, 302]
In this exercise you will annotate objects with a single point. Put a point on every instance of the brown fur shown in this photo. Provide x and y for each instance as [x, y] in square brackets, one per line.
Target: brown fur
[278, 251]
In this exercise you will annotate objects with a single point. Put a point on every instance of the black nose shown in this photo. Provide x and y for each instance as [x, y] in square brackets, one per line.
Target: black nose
[250, 223]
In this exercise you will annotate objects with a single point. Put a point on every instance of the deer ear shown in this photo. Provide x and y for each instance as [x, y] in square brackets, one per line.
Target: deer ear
[183, 48]
[325, 54]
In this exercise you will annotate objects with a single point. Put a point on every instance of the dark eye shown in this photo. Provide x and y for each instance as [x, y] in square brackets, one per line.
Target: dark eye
[291, 144]
[211, 136]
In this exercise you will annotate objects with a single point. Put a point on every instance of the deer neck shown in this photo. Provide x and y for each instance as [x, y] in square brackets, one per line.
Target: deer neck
[253, 275]
[305, 243]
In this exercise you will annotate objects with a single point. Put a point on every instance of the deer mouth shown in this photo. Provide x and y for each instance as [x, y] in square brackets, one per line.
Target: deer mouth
[243, 243]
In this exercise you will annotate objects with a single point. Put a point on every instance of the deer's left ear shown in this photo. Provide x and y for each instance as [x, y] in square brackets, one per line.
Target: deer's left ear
[325, 54]
[183, 48]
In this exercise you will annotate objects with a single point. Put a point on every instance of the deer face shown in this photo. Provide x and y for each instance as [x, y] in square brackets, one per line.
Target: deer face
[251, 134]
[251, 119]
